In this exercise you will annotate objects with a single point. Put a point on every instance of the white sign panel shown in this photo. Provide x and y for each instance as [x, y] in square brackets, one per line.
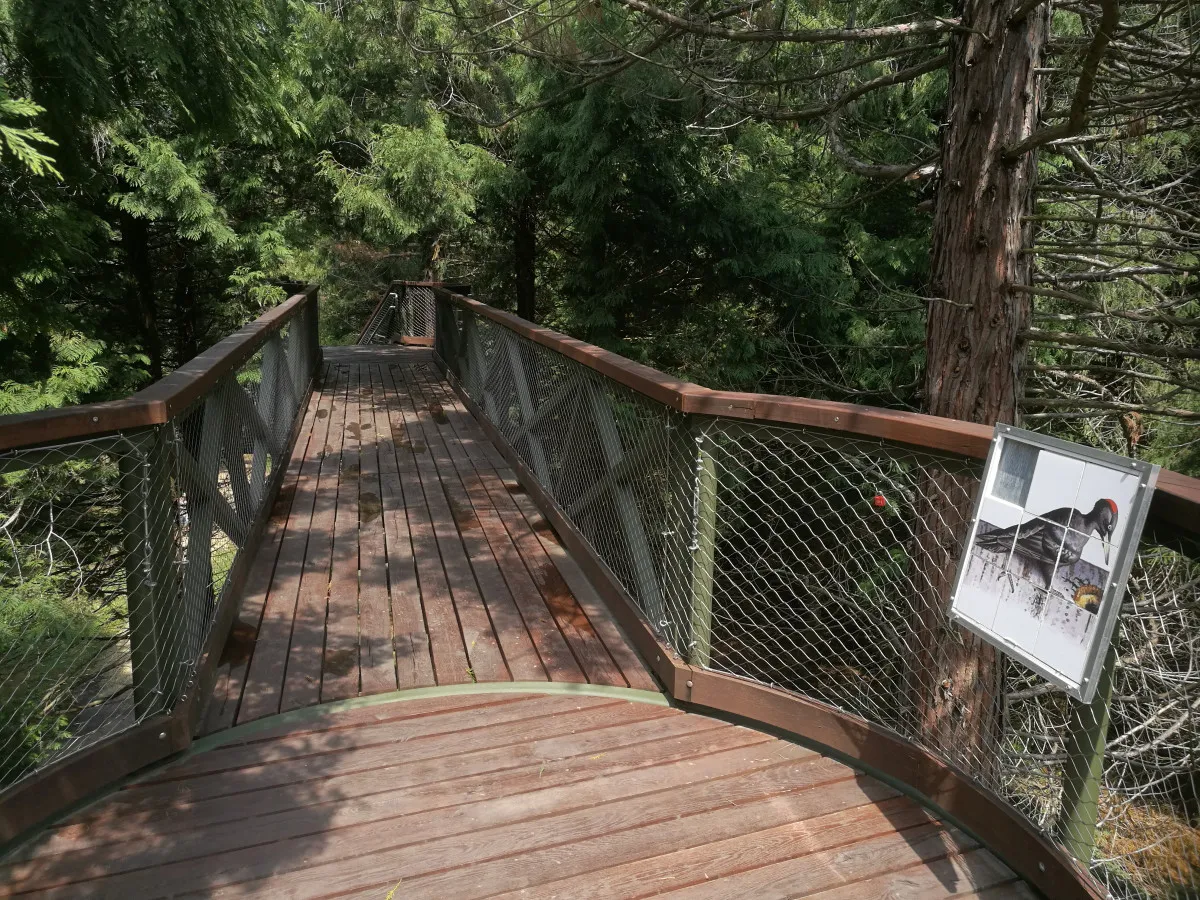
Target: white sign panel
[1055, 531]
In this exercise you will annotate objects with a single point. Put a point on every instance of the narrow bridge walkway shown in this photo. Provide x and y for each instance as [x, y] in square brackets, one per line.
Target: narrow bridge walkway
[404, 554]
[423, 698]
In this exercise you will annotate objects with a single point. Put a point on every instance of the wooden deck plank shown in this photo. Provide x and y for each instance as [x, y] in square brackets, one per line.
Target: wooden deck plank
[512, 630]
[363, 855]
[339, 678]
[712, 845]
[483, 649]
[573, 622]
[494, 726]
[302, 679]
[615, 640]
[843, 868]
[376, 649]
[268, 663]
[453, 810]
[625, 800]
[573, 756]
[551, 643]
[449, 655]
[410, 635]
[234, 664]
[967, 875]
[568, 572]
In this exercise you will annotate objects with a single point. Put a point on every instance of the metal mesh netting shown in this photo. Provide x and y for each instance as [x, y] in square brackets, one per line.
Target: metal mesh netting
[382, 324]
[416, 312]
[406, 311]
[821, 563]
[115, 550]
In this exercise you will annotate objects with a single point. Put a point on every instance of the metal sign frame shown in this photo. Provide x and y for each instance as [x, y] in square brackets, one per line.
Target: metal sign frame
[1122, 559]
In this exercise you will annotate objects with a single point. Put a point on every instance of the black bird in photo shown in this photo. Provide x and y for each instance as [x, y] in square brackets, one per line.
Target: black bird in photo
[1038, 541]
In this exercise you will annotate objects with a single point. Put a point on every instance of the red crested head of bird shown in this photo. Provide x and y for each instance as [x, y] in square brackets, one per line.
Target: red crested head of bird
[1103, 520]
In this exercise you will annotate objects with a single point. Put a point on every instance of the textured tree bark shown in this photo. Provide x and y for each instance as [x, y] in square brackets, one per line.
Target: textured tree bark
[135, 235]
[186, 312]
[525, 257]
[974, 344]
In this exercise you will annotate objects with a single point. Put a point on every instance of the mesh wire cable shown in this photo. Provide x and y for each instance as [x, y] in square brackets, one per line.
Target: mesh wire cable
[115, 551]
[831, 560]
[408, 311]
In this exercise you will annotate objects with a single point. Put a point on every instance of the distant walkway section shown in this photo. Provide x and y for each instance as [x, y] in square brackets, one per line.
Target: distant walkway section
[402, 553]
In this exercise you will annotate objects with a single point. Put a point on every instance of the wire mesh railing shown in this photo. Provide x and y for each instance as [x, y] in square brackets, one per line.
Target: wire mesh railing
[820, 562]
[405, 314]
[118, 545]
[381, 327]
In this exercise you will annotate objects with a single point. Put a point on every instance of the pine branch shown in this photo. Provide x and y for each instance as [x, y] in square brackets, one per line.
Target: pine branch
[1149, 351]
[1078, 118]
[775, 36]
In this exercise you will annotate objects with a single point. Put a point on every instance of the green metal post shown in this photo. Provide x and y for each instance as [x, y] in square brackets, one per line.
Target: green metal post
[1086, 737]
[151, 577]
[703, 550]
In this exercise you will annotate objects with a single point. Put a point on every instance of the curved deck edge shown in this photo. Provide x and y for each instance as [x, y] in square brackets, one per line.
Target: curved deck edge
[175, 747]
[915, 772]
[315, 713]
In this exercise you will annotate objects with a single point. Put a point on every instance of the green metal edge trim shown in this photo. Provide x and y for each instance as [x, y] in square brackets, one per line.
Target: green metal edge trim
[315, 713]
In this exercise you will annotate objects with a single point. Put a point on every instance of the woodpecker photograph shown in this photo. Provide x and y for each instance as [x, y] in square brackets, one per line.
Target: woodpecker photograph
[1055, 540]
[1043, 550]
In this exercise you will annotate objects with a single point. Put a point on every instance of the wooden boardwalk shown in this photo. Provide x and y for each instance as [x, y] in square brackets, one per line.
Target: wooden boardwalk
[506, 795]
[402, 553]
[363, 741]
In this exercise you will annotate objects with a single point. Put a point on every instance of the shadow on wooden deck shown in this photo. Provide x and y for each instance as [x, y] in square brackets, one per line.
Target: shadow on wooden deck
[468, 794]
[402, 553]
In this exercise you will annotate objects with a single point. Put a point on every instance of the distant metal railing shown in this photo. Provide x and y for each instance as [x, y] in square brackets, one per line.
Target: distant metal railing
[809, 547]
[405, 313]
[126, 529]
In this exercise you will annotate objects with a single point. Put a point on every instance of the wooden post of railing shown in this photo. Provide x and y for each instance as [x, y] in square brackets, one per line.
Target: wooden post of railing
[704, 546]
[312, 331]
[151, 576]
[445, 337]
[274, 405]
[1087, 735]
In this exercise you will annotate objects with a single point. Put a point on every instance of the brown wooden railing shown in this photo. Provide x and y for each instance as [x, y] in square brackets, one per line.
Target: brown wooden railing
[741, 540]
[127, 529]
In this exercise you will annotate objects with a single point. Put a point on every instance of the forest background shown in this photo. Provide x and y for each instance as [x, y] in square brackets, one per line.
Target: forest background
[776, 195]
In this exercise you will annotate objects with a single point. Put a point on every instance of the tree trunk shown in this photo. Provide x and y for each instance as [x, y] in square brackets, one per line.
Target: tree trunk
[135, 235]
[186, 313]
[525, 257]
[975, 350]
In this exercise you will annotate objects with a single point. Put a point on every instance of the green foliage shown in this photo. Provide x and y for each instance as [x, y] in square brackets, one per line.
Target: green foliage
[417, 180]
[21, 141]
[50, 628]
[78, 372]
[166, 188]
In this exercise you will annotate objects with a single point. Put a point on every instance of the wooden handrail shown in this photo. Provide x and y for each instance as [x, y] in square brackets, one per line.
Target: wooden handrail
[1176, 499]
[156, 404]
